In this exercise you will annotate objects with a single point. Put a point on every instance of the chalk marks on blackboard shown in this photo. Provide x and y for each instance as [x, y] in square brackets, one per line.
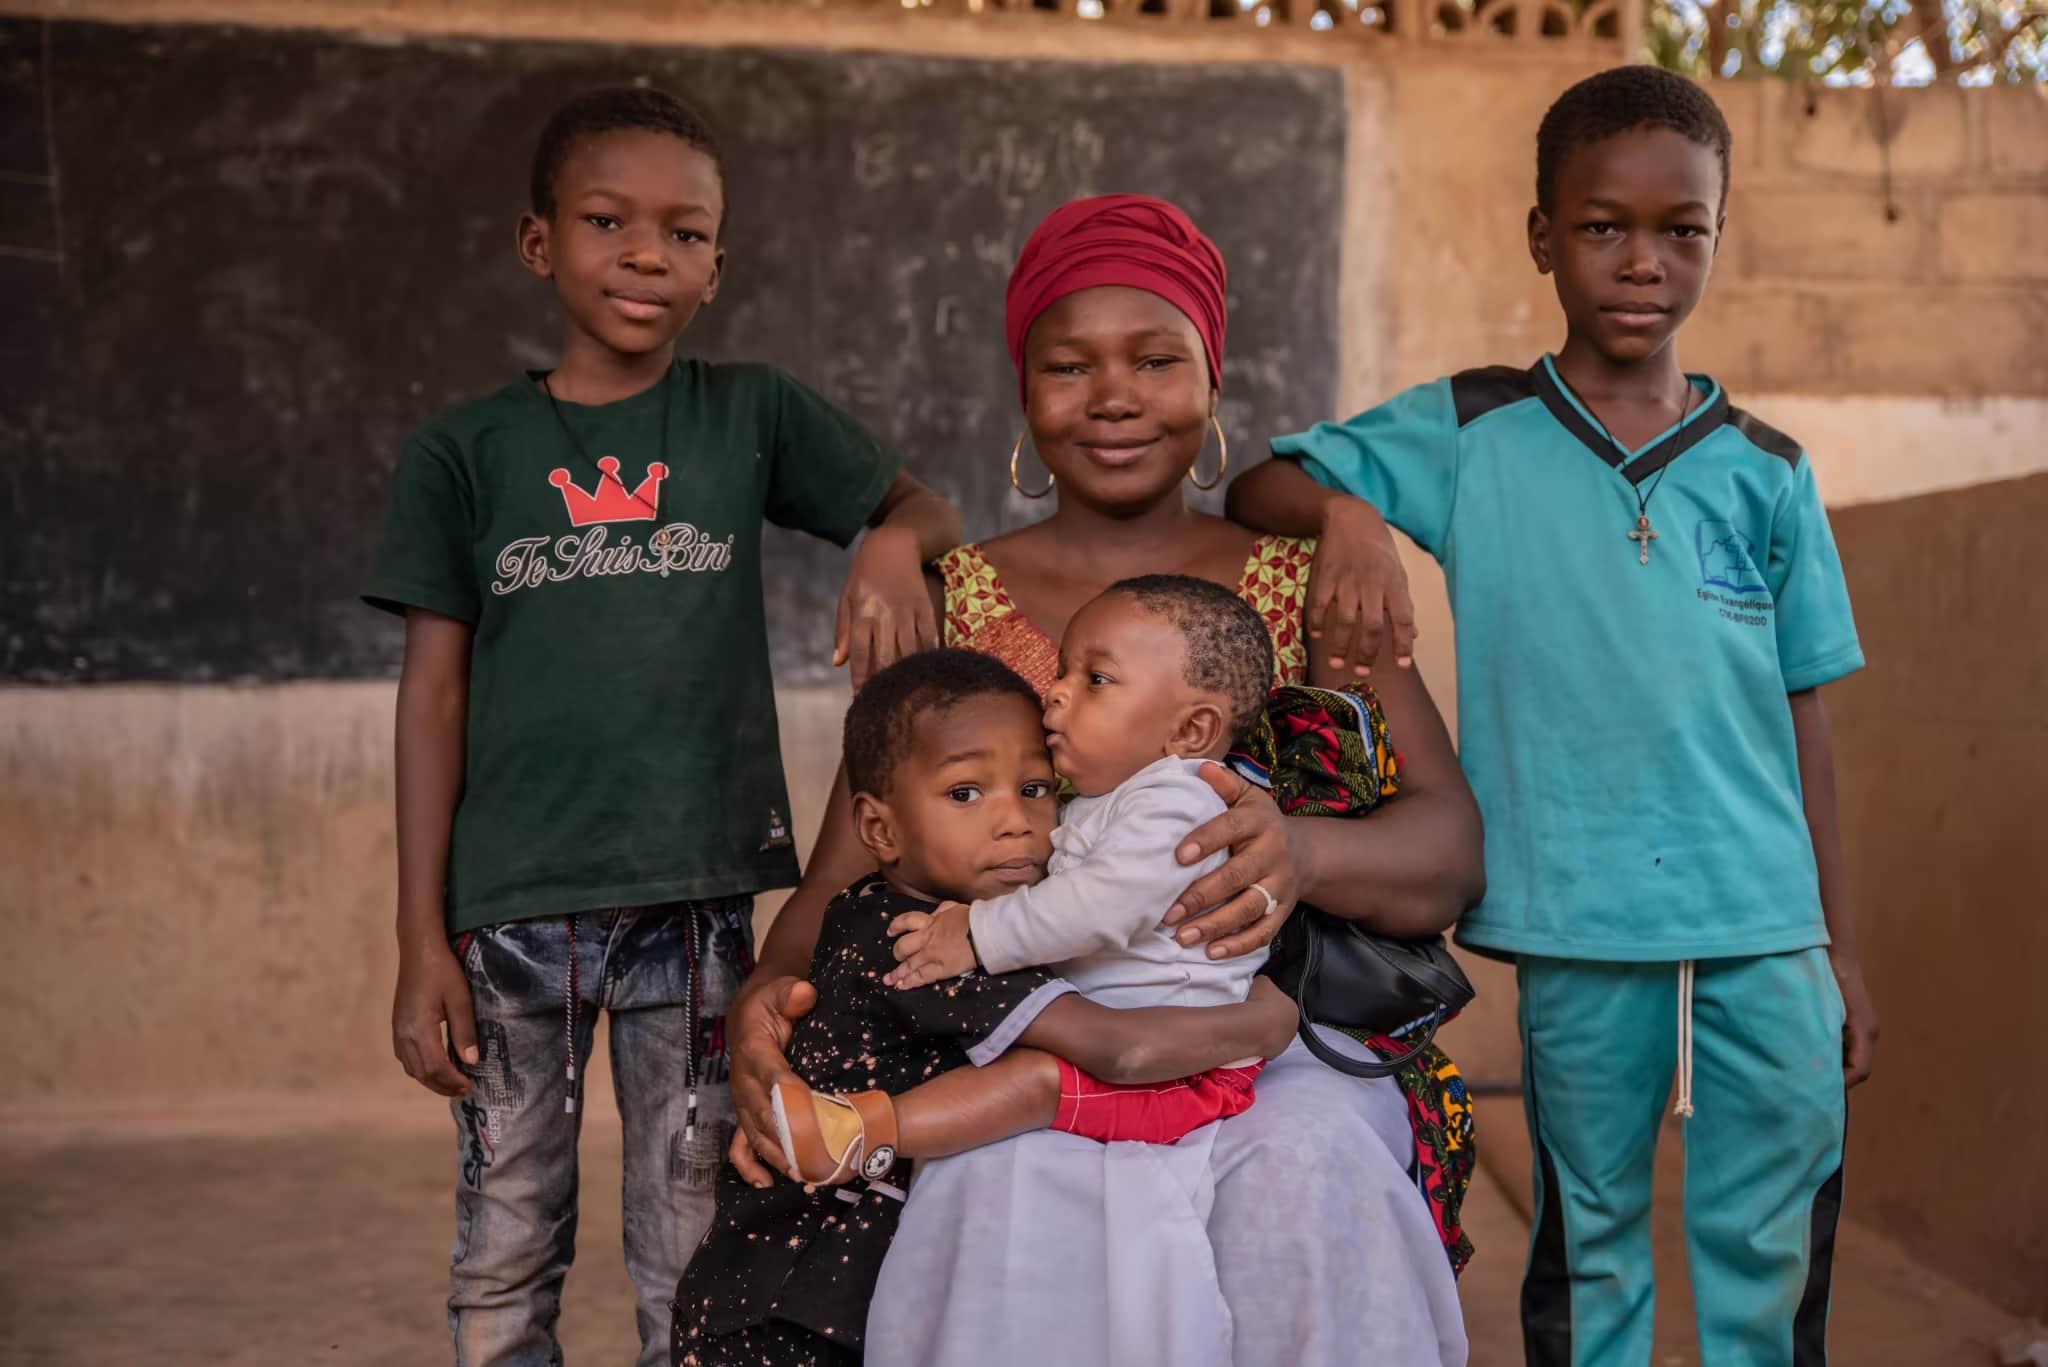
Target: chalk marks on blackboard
[31, 213]
[996, 252]
[309, 178]
[1008, 162]
[28, 214]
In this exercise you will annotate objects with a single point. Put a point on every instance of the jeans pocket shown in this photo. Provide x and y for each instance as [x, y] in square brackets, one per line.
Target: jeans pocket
[468, 948]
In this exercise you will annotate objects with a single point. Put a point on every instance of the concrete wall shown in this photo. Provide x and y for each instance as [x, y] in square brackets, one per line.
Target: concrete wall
[200, 879]
[200, 883]
[1943, 771]
[1819, 289]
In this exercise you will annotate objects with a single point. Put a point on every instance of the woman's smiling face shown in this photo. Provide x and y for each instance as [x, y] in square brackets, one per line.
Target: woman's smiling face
[1117, 395]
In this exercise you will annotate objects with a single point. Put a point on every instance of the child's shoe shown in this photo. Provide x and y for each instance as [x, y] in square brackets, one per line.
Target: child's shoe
[829, 1138]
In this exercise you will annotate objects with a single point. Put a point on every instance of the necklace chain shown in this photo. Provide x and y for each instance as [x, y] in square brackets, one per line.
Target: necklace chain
[1627, 456]
[562, 421]
[1644, 534]
[1684, 412]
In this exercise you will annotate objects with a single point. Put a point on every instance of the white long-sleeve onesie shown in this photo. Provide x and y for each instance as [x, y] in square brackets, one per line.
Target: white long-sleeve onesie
[1095, 919]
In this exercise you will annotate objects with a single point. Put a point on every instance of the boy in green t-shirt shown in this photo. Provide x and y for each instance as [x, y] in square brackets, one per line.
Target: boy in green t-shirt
[1648, 600]
[589, 786]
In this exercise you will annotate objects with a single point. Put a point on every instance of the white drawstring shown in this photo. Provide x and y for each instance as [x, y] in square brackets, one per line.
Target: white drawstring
[1684, 1107]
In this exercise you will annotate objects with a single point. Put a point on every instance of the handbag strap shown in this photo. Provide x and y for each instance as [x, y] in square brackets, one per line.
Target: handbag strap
[1344, 1063]
[1312, 960]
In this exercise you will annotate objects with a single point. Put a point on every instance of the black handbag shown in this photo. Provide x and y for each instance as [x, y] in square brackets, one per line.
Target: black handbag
[1326, 752]
[1343, 975]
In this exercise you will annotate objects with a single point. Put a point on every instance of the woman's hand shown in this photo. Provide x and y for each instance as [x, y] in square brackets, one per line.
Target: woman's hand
[885, 611]
[758, 1028]
[1358, 590]
[1225, 907]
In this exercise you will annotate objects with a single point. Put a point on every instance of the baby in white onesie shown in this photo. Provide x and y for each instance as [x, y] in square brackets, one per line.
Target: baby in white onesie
[1157, 675]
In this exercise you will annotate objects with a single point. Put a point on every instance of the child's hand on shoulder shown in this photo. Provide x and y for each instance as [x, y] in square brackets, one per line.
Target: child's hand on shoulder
[1358, 599]
[885, 610]
[931, 946]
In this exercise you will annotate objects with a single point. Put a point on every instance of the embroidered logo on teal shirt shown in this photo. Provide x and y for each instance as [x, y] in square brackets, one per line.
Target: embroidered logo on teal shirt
[1726, 557]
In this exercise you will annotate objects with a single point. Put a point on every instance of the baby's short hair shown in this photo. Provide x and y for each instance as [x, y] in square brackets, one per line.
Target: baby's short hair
[606, 111]
[1229, 650]
[883, 718]
[1620, 99]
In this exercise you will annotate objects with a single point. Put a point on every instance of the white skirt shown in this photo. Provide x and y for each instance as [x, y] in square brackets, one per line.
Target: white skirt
[1289, 1236]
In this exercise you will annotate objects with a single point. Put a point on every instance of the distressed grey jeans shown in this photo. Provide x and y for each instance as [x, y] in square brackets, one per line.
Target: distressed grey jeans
[665, 975]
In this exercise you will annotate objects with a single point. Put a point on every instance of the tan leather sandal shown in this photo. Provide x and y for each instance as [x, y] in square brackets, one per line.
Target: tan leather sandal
[829, 1138]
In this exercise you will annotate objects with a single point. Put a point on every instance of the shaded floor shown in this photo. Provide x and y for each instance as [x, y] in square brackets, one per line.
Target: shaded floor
[1888, 1311]
[322, 1237]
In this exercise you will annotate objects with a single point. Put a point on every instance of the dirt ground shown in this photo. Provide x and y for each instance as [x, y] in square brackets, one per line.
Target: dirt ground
[260, 1236]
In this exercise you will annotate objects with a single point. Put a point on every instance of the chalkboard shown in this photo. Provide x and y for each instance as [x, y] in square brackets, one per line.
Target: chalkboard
[240, 265]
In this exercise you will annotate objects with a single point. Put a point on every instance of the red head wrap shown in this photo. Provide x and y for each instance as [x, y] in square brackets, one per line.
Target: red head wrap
[1133, 240]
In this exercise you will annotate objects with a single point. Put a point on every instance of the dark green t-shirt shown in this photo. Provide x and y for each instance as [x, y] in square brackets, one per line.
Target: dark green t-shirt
[622, 748]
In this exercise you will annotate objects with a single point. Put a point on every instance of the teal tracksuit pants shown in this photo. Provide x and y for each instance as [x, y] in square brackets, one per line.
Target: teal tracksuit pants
[1763, 1153]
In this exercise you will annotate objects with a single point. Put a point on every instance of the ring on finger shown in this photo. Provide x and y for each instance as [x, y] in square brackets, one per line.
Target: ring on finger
[1272, 902]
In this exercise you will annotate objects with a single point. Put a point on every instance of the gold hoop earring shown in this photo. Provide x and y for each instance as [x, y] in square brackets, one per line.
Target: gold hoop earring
[1222, 458]
[1050, 478]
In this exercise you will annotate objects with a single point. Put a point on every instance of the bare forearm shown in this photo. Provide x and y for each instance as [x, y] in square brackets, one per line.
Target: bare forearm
[430, 762]
[969, 1107]
[932, 521]
[836, 861]
[1823, 824]
[785, 952]
[1410, 869]
[1157, 1043]
[431, 750]
[760, 1017]
[1020, 1091]
[1276, 496]
[1817, 787]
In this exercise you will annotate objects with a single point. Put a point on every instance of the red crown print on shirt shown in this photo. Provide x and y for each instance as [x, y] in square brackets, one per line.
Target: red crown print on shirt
[611, 502]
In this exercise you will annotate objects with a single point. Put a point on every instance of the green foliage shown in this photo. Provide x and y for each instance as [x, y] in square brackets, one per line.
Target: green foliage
[1854, 42]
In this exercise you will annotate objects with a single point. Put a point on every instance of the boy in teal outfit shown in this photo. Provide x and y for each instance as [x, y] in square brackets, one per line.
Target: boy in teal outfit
[1648, 599]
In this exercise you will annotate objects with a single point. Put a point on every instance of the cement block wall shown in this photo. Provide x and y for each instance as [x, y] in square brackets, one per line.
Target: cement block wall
[200, 879]
[1827, 282]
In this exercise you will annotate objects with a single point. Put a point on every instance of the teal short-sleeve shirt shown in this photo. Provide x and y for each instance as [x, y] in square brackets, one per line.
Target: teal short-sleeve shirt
[622, 745]
[1624, 725]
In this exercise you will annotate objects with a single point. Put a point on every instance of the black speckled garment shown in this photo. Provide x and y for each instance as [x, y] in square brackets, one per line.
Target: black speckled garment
[808, 1260]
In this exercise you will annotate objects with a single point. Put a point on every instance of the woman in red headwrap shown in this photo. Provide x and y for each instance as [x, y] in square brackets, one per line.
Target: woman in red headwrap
[1316, 1244]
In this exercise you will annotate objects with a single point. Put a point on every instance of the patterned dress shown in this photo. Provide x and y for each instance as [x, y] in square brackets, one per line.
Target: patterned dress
[981, 615]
